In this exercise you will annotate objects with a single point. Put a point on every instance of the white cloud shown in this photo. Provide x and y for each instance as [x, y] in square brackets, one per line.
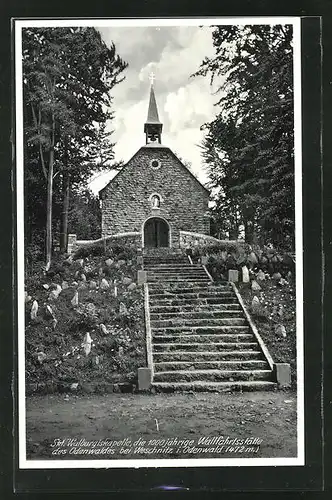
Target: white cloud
[126, 39]
[187, 147]
[130, 120]
[189, 106]
[184, 103]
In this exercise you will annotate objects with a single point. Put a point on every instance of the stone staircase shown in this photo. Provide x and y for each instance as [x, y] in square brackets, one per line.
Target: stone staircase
[200, 337]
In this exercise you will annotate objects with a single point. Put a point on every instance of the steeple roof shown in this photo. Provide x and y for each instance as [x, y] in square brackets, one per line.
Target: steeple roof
[153, 126]
[153, 116]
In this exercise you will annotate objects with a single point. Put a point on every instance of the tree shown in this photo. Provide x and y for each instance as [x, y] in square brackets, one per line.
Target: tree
[68, 76]
[84, 217]
[248, 147]
[77, 165]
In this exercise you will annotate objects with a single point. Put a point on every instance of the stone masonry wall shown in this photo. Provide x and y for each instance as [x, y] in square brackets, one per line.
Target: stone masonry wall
[189, 239]
[126, 204]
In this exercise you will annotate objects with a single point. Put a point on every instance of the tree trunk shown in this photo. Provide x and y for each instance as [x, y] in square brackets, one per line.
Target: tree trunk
[249, 231]
[49, 201]
[65, 201]
[65, 212]
[49, 215]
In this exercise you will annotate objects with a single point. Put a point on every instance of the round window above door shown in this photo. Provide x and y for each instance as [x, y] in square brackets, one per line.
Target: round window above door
[155, 164]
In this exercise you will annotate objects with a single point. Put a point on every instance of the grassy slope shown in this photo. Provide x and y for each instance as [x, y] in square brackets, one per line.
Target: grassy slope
[114, 356]
[272, 295]
[266, 317]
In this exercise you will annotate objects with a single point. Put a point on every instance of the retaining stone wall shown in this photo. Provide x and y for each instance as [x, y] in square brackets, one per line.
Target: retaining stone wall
[126, 239]
[191, 239]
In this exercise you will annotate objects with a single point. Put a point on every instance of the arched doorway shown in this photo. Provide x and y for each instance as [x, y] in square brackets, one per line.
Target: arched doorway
[156, 233]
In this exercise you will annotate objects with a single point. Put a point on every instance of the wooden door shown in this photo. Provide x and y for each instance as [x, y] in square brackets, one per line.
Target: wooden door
[156, 233]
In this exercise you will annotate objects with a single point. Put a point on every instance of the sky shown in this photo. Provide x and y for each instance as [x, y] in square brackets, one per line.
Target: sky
[173, 54]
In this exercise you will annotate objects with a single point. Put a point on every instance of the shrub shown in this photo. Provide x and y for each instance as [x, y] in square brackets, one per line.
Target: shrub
[231, 247]
[93, 250]
[33, 253]
[238, 256]
[108, 248]
[259, 313]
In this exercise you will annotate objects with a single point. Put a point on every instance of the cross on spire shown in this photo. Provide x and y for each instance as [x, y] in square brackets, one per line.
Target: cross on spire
[152, 77]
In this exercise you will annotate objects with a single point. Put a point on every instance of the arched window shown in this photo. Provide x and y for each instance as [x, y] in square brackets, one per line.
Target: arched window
[155, 201]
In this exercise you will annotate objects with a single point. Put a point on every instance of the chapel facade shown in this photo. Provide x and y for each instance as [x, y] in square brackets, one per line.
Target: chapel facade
[154, 194]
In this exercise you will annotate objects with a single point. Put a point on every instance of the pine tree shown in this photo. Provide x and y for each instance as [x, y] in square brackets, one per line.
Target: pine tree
[249, 145]
[84, 217]
[68, 76]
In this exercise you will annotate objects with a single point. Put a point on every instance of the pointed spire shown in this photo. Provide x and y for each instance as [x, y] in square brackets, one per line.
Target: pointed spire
[153, 116]
[152, 126]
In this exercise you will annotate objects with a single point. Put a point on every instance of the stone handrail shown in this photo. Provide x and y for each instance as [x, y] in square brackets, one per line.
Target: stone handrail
[148, 328]
[74, 243]
[189, 238]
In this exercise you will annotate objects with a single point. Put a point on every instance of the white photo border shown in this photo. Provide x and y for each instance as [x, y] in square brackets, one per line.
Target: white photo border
[24, 463]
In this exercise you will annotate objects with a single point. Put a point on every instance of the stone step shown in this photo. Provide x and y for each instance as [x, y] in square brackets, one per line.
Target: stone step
[189, 287]
[156, 278]
[206, 346]
[175, 265]
[194, 289]
[163, 250]
[238, 355]
[169, 285]
[192, 322]
[184, 283]
[170, 261]
[193, 295]
[186, 287]
[210, 313]
[200, 336]
[195, 308]
[200, 330]
[212, 375]
[147, 263]
[179, 280]
[179, 301]
[174, 272]
[188, 337]
[161, 258]
[156, 262]
[187, 293]
[203, 386]
[178, 275]
[166, 290]
[173, 268]
[254, 364]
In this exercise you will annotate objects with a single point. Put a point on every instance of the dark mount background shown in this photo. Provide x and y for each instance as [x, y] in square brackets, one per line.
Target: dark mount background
[204, 479]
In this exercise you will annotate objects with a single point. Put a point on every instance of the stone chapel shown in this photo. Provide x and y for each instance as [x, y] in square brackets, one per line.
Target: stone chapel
[154, 194]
